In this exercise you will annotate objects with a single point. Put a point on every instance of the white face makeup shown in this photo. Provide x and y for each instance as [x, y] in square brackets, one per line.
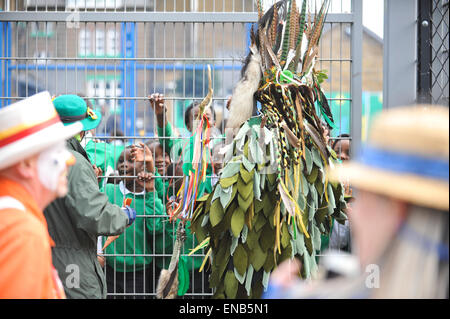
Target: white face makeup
[52, 168]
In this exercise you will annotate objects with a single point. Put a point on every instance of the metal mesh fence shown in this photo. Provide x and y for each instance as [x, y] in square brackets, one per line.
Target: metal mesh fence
[433, 57]
[440, 57]
[115, 53]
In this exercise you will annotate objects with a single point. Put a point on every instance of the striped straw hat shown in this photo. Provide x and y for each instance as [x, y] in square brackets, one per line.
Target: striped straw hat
[406, 157]
[30, 126]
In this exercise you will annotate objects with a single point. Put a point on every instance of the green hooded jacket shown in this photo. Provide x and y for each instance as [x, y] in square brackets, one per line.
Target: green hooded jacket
[74, 223]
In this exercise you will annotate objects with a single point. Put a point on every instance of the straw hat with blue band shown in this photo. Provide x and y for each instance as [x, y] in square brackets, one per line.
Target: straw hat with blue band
[406, 157]
[72, 108]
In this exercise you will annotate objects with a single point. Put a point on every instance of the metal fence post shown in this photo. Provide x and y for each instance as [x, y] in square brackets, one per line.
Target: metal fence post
[400, 52]
[3, 51]
[424, 52]
[356, 76]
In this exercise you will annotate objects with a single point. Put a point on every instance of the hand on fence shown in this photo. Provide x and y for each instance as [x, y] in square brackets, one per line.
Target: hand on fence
[170, 206]
[157, 103]
[145, 179]
[141, 153]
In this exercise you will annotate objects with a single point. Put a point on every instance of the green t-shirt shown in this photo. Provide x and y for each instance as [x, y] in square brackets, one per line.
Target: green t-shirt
[141, 238]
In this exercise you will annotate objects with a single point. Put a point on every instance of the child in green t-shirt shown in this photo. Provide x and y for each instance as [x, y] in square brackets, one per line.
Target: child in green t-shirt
[129, 268]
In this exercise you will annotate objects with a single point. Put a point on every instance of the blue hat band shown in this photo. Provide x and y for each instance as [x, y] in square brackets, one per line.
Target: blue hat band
[405, 163]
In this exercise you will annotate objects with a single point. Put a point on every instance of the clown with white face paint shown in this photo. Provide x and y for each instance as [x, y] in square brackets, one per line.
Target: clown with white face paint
[33, 166]
[52, 166]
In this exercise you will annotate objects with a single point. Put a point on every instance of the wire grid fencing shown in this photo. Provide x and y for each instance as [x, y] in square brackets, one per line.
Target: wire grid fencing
[440, 55]
[115, 53]
[433, 56]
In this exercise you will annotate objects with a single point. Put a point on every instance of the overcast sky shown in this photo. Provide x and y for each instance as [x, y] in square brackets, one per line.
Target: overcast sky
[373, 11]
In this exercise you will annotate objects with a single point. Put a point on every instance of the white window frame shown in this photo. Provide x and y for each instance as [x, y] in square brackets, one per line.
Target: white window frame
[99, 42]
[84, 42]
[112, 42]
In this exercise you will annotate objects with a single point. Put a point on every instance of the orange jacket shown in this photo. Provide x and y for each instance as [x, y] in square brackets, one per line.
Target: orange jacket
[26, 270]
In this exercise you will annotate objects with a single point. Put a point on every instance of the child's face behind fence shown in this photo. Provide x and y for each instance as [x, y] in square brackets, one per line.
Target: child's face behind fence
[162, 159]
[342, 149]
[194, 115]
[128, 168]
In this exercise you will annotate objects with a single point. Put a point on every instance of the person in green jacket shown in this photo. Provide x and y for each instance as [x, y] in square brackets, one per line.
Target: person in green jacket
[76, 220]
[129, 268]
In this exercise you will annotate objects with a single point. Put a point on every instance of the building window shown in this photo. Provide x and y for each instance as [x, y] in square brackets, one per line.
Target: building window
[99, 43]
[92, 4]
[84, 43]
[42, 29]
[104, 90]
[112, 42]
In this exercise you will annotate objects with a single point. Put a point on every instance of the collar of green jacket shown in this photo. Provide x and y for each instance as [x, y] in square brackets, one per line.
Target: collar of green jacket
[73, 144]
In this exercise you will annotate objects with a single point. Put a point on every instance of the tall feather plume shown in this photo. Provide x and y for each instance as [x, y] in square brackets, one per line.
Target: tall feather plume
[308, 33]
[298, 48]
[277, 45]
[314, 36]
[272, 54]
[280, 42]
[260, 32]
[269, 34]
[323, 15]
[285, 44]
[266, 46]
[318, 24]
[308, 26]
[310, 59]
[293, 25]
[266, 43]
[274, 27]
[280, 27]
